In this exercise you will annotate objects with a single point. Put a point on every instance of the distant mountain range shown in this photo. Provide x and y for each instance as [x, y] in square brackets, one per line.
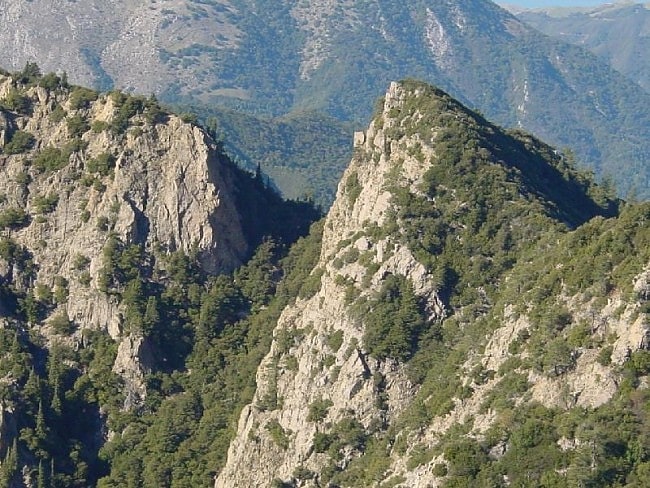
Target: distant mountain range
[619, 33]
[336, 57]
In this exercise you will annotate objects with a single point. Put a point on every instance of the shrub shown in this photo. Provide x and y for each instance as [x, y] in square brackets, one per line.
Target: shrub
[58, 114]
[605, 356]
[278, 434]
[45, 204]
[80, 262]
[335, 340]
[61, 289]
[23, 179]
[50, 159]
[20, 142]
[81, 97]
[394, 320]
[17, 102]
[50, 81]
[102, 223]
[189, 118]
[353, 187]
[98, 126]
[30, 74]
[8, 249]
[61, 324]
[13, 218]
[318, 410]
[77, 125]
[127, 107]
[102, 164]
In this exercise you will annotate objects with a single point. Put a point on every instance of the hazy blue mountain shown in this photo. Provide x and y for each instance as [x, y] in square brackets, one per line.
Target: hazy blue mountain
[275, 58]
[619, 33]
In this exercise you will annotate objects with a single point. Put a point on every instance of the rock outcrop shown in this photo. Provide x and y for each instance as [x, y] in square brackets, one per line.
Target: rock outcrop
[319, 382]
[84, 185]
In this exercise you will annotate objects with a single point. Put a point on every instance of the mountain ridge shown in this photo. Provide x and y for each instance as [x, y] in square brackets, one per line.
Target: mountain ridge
[306, 57]
[616, 32]
[413, 337]
[413, 332]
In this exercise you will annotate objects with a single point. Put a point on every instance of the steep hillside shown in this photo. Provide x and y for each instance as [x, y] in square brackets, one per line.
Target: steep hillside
[477, 317]
[273, 58]
[618, 33]
[304, 154]
[115, 220]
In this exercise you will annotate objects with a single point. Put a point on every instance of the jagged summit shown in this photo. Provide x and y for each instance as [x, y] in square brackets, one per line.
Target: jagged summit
[113, 213]
[337, 57]
[428, 315]
[467, 314]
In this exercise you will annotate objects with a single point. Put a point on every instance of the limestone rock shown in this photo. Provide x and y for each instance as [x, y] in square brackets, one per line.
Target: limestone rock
[170, 190]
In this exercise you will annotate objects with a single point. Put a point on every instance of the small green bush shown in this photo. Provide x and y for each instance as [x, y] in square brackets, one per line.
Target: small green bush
[17, 102]
[23, 179]
[318, 410]
[335, 340]
[20, 142]
[50, 159]
[278, 434]
[98, 126]
[102, 164]
[58, 114]
[604, 357]
[62, 325]
[13, 218]
[82, 97]
[77, 125]
[45, 204]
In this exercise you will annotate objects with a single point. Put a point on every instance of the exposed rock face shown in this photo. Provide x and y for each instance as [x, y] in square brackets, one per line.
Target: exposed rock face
[318, 375]
[168, 190]
[342, 373]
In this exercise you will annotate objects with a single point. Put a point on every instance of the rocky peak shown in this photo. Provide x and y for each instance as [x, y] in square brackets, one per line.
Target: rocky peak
[86, 173]
[413, 323]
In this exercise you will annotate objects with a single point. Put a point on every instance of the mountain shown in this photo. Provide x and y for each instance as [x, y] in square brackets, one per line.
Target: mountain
[617, 32]
[303, 153]
[473, 311]
[112, 212]
[477, 316]
[277, 58]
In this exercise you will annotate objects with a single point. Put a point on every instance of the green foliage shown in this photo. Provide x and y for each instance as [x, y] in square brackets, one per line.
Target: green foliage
[77, 125]
[50, 159]
[346, 433]
[605, 356]
[127, 107]
[312, 284]
[279, 435]
[16, 101]
[285, 145]
[58, 114]
[21, 141]
[99, 126]
[80, 98]
[353, 188]
[13, 218]
[318, 410]
[44, 204]
[335, 340]
[394, 320]
[103, 164]
[30, 74]
[61, 324]
[51, 81]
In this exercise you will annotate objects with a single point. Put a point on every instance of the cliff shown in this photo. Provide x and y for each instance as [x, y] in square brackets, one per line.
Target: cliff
[425, 310]
[101, 197]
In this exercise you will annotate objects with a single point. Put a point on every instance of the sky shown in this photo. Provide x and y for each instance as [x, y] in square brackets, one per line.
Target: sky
[554, 3]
